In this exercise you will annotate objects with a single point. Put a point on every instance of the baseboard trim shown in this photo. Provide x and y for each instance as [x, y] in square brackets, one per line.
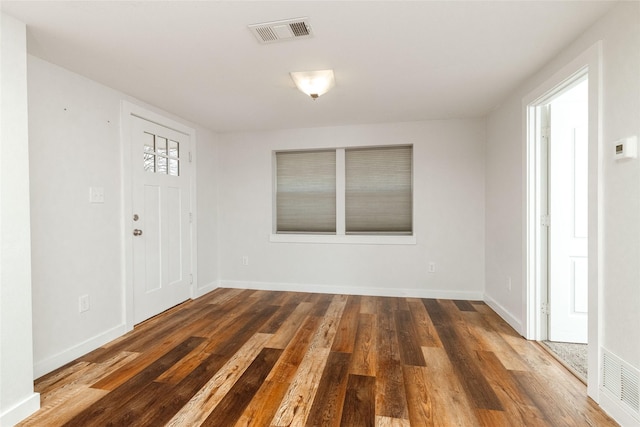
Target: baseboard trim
[353, 290]
[198, 292]
[57, 360]
[512, 320]
[21, 410]
[617, 410]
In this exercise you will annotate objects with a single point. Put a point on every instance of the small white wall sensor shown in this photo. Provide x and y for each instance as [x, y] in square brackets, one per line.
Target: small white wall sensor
[626, 148]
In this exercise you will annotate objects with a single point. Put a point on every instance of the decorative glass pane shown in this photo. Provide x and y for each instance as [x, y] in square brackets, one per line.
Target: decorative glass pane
[174, 167]
[161, 165]
[173, 149]
[161, 145]
[149, 144]
[149, 162]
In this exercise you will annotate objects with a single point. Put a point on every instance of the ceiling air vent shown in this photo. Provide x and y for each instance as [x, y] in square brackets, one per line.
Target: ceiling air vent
[276, 31]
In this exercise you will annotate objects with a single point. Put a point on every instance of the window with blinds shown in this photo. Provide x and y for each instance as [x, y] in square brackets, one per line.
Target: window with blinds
[372, 186]
[306, 191]
[378, 190]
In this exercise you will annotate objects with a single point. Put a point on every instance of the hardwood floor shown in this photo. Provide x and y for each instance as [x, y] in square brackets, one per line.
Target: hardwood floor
[258, 358]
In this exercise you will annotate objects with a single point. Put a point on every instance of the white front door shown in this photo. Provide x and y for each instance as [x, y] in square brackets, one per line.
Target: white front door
[160, 218]
[568, 206]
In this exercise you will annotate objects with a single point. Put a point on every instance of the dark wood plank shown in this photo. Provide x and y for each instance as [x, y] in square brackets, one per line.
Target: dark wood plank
[427, 335]
[410, 350]
[133, 414]
[185, 366]
[359, 402]
[160, 345]
[101, 411]
[464, 305]
[517, 404]
[464, 361]
[385, 318]
[278, 318]
[235, 335]
[401, 304]
[227, 412]
[363, 359]
[168, 404]
[391, 399]
[327, 406]
[346, 333]
[289, 327]
[321, 303]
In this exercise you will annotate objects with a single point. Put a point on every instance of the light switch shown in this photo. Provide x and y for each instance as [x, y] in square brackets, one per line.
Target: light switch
[96, 194]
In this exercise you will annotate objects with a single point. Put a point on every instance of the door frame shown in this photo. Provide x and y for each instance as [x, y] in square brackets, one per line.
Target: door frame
[129, 112]
[534, 255]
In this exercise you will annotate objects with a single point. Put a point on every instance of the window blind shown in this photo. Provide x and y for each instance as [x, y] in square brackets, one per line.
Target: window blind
[378, 193]
[306, 191]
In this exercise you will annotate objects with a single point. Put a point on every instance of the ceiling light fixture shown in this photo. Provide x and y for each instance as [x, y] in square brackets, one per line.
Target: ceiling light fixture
[313, 83]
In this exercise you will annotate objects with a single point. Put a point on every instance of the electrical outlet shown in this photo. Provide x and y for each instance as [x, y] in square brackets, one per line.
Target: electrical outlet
[83, 303]
[432, 267]
[245, 260]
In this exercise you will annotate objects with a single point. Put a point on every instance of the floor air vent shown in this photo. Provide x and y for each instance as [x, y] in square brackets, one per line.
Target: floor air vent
[621, 380]
[277, 31]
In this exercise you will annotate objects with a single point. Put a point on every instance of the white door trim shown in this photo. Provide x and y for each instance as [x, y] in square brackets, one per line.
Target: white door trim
[590, 59]
[128, 111]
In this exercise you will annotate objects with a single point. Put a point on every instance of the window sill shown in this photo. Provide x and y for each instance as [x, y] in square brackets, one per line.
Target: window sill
[343, 239]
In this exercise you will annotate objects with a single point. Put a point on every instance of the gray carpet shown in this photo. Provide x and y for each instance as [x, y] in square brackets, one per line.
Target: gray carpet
[574, 355]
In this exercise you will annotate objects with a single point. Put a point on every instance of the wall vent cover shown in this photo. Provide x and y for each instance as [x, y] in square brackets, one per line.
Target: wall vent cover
[277, 31]
[621, 380]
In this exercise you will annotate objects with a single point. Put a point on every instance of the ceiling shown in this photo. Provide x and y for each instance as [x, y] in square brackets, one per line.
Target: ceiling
[394, 61]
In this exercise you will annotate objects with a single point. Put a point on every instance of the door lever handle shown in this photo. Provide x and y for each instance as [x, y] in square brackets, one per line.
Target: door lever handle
[137, 232]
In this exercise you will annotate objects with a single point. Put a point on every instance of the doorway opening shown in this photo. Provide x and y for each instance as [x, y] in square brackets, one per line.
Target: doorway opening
[559, 122]
[585, 68]
[565, 131]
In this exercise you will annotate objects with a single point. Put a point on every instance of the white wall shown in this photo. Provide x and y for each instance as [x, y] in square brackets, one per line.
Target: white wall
[207, 212]
[74, 144]
[619, 31]
[17, 399]
[77, 246]
[504, 211]
[449, 215]
[621, 106]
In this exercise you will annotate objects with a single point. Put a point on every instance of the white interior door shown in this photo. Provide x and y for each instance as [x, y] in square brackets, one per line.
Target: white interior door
[160, 218]
[568, 210]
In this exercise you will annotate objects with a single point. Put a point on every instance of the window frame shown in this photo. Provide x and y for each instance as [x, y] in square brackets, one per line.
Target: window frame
[340, 236]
